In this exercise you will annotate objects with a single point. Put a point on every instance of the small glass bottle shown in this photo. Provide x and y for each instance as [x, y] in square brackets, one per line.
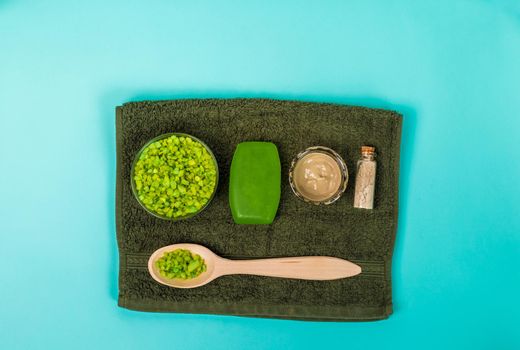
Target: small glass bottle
[365, 179]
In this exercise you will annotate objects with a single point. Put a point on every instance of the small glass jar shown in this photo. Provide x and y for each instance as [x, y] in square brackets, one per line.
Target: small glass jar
[161, 137]
[365, 179]
[312, 182]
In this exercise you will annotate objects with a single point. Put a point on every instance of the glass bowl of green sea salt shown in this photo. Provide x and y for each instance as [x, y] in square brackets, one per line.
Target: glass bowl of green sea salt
[174, 176]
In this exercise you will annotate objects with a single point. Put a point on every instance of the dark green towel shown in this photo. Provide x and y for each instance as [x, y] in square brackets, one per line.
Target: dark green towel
[363, 236]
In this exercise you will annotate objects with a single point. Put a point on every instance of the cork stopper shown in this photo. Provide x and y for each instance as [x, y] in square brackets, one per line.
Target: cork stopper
[368, 150]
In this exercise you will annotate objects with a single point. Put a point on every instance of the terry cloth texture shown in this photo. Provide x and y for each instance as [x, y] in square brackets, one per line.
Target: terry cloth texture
[365, 237]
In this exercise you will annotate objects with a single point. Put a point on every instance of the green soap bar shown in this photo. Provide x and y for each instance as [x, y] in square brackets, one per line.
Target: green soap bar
[254, 183]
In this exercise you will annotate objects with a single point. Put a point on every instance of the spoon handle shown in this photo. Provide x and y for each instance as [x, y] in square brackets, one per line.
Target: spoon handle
[305, 267]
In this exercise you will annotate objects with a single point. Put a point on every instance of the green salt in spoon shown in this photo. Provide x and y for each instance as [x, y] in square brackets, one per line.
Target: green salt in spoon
[319, 268]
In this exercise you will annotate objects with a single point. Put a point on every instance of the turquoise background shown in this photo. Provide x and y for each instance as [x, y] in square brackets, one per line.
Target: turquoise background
[451, 67]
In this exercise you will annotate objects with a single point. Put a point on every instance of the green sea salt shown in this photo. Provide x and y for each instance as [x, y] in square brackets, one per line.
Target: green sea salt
[175, 176]
[181, 264]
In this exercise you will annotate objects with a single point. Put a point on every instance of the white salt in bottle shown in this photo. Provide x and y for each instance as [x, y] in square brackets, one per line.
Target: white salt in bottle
[365, 179]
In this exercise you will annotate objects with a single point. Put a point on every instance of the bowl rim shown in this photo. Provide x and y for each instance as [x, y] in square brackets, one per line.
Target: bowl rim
[160, 137]
[339, 160]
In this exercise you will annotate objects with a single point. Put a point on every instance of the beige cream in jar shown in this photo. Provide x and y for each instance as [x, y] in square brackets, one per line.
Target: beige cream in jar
[318, 175]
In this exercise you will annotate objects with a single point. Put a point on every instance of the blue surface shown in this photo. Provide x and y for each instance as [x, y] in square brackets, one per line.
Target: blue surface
[451, 67]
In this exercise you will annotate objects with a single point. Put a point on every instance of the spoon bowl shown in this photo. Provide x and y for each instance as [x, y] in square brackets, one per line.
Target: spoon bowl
[205, 277]
[318, 268]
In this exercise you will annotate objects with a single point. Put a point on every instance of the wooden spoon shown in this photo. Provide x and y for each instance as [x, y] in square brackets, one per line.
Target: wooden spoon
[305, 267]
